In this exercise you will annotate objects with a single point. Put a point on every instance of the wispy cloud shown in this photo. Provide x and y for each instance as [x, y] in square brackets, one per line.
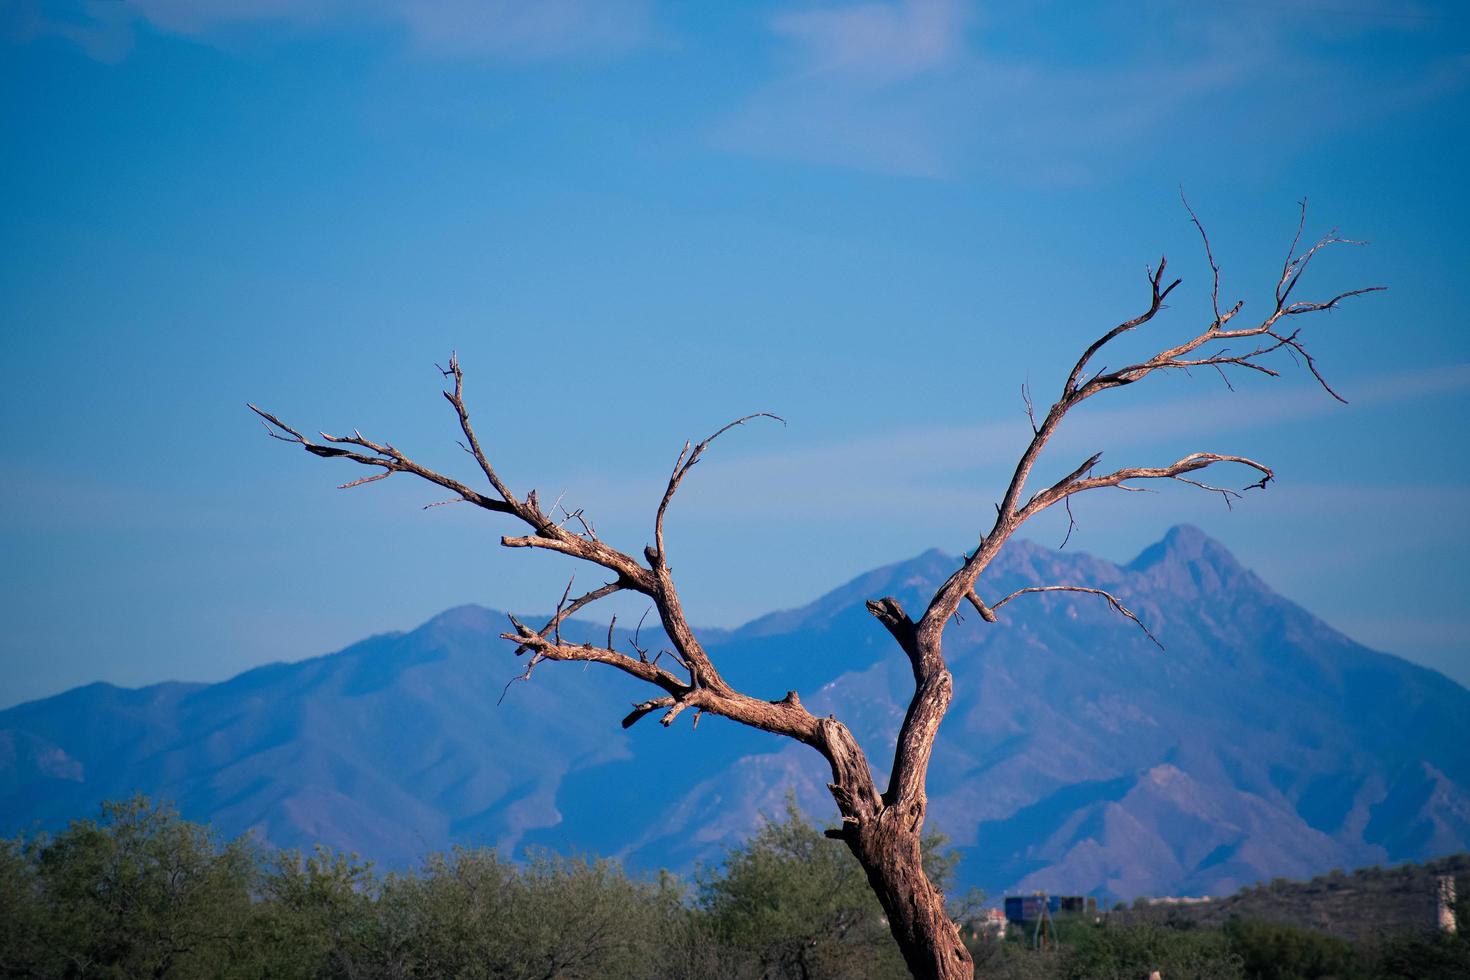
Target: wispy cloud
[494, 29]
[514, 29]
[921, 88]
[956, 469]
[102, 30]
[860, 88]
[875, 43]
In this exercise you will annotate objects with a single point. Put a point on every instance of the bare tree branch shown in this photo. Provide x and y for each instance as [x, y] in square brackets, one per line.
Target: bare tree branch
[687, 458]
[1079, 386]
[644, 708]
[565, 610]
[705, 689]
[455, 397]
[1112, 601]
[550, 649]
[1074, 483]
[1207, 348]
[986, 613]
[386, 457]
[666, 598]
[1220, 318]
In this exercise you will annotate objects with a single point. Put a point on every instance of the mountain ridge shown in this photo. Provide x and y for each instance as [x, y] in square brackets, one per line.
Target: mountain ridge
[1078, 756]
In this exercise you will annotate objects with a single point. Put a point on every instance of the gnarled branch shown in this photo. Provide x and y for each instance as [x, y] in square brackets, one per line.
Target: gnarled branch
[704, 689]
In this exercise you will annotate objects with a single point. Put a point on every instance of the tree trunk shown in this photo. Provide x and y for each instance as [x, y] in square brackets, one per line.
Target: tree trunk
[930, 942]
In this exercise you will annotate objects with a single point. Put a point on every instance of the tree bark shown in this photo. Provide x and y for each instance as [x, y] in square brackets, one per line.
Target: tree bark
[929, 940]
[884, 833]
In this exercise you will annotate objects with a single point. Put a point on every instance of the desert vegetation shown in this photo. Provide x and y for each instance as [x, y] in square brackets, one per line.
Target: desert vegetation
[143, 893]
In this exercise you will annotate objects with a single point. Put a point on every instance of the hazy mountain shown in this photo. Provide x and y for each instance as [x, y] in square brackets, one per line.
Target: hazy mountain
[1077, 756]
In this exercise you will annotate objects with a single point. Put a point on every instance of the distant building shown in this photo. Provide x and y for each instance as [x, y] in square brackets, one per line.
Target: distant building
[1021, 909]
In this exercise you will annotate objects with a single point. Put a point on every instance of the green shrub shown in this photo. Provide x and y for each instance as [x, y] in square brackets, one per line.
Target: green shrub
[1271, 951]
[1133, 952]
[139, 893]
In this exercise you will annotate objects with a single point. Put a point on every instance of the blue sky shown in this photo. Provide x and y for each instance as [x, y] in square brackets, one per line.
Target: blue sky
[637, 220]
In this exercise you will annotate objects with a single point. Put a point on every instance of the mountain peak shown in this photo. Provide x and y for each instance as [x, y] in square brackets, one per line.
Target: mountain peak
[1189, 560]
[1186, 536]
[1185, 543]
[467, 616]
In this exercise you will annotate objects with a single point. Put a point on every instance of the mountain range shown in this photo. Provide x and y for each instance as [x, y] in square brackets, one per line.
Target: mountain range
[1077, 756]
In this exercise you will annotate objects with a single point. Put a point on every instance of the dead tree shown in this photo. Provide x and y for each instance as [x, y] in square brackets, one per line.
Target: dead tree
[881, 827]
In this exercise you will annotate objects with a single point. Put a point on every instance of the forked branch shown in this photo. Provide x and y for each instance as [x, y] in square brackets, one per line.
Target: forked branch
[565, 610]
[1217, 345]
[1078, 480]
[703, 689]
[545, 648]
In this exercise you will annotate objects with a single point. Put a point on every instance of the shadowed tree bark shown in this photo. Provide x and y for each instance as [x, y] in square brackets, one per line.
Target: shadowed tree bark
[882, 828]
